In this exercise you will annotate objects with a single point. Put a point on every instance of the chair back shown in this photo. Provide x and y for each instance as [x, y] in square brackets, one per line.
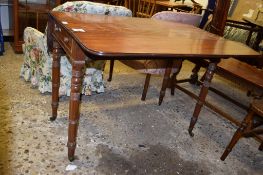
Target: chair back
[197, 8]
[132, 5]
[180, 17]
[219, 17]
[146, 8]
[118, 2]
[93, 8]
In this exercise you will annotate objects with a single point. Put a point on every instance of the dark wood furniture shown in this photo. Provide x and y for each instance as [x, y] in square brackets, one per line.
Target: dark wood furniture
[107, 37]
[177, 4]
[141, 8]
[193, 7]
[232, 69]
[249, 127]
[29, 14]
[257, 24]
[216, 26]
[146, 8]
[226, 69]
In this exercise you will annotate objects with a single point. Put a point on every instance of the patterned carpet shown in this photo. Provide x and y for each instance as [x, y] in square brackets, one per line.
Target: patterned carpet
[119, 133]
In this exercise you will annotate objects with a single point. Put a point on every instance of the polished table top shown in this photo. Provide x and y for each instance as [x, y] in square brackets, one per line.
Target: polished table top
[108, 36]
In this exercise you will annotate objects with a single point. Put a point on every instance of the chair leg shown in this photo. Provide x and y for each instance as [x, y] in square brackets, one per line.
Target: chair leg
[111, 70]
[165, 81]
[238, 134]
[194, 76]
[178, 65]
[203, 77]
[146, 85]
[173, 82]
[261, 147]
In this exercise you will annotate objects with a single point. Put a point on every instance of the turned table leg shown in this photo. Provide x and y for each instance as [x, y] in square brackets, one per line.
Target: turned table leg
[204, 90]
[76, 82]
[57, 51]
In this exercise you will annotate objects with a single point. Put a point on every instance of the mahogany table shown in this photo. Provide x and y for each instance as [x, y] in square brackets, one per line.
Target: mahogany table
[85, 37]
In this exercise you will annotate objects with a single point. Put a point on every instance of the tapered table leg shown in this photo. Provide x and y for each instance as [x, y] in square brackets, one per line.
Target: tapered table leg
[166, 79]
[178, 64]
[204, 90]
[57, 51]
[146, 86]
[76, 82]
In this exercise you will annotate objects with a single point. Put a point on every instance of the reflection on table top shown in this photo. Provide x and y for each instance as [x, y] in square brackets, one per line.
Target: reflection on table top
[108, 36]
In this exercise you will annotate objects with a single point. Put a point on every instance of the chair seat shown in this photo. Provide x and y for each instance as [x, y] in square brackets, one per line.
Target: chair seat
[150, 66]
[180, 17]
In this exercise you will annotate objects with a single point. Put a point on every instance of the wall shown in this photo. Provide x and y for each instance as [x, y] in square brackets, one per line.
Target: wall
[244, 6]
[6, 15]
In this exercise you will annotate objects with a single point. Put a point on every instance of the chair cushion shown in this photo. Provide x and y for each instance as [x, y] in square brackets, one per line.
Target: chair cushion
[93, 8]
[180, 17]
[150, 66]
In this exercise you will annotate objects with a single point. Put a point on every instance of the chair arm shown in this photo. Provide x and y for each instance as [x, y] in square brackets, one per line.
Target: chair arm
[34, 39]
[241, 25]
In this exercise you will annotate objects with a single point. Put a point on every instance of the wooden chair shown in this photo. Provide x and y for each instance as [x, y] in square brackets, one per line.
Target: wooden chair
[161, 67]
[197, 8]
[234, 70]
[141, 8]
[146, 8]
[132, 5]
[248, 126]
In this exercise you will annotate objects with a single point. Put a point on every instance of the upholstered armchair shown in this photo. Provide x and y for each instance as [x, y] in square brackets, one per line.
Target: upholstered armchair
[37, 63]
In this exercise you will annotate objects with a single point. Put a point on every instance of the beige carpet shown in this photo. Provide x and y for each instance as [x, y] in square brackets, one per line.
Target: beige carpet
[118, 133]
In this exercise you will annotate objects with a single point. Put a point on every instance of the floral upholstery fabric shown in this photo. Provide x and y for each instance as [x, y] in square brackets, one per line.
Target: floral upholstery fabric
[93, 8]
[239, 35]
[37, 66]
